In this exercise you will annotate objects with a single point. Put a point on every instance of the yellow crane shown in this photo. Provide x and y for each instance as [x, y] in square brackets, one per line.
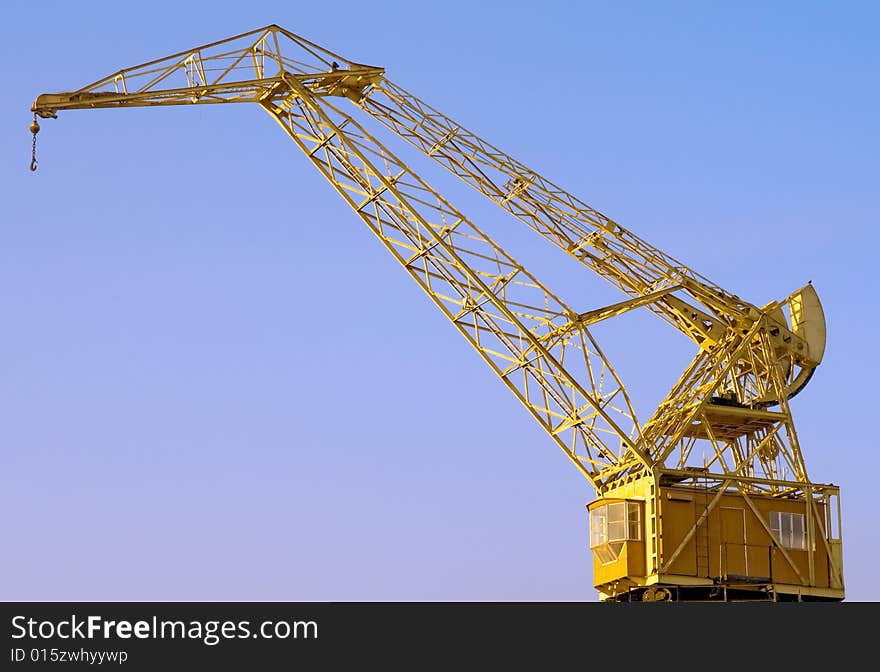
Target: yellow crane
[709, 497]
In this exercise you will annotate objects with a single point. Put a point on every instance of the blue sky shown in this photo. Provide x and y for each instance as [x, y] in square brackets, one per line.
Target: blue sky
[218, 385]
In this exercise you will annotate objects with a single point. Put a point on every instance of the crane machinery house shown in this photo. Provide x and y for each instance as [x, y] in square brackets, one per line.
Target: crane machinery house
[743, 522]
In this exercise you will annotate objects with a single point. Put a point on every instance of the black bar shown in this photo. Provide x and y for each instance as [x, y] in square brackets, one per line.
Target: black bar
[306, 635]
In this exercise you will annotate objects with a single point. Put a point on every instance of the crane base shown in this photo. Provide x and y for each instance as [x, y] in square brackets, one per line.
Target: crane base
[730, 590]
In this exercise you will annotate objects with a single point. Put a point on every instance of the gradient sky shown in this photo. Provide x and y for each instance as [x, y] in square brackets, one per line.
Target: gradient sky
[218, 386]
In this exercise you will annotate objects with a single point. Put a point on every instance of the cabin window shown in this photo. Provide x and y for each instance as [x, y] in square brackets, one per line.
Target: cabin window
[613, 524]
[789, 528]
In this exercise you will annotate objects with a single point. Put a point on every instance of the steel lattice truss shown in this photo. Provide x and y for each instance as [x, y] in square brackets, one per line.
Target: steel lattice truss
[750, 361]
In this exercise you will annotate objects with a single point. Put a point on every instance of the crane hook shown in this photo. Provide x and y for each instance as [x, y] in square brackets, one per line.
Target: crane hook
[34, 129]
